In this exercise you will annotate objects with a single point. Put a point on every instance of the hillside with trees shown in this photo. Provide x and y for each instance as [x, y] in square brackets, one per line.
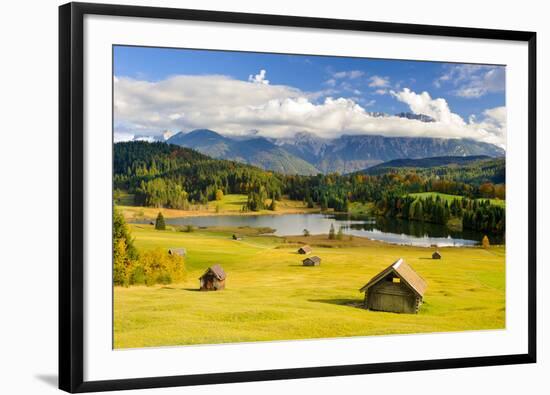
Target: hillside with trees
[163, 175]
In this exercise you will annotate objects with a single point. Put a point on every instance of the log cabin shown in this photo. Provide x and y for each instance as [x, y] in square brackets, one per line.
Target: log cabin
[213, 279]
[396, 289]
[312, 261]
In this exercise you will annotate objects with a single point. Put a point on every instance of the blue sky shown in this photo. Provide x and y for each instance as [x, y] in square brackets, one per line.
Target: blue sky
[375, 85]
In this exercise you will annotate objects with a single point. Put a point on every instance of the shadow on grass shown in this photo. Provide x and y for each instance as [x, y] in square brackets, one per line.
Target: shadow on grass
[191, 289]
[357, 303]
[430, 259]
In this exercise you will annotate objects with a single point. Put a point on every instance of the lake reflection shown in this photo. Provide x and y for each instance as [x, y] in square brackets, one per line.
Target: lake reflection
[382, 229]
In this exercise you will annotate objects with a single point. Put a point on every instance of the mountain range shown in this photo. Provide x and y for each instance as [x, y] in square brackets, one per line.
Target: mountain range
[308, 154]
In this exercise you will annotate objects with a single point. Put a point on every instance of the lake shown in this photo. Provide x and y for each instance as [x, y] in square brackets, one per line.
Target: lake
[393, 231]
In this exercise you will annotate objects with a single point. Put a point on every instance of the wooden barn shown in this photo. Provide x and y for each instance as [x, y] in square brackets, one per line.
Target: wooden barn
[397, 289]
[436, 255]
[213, 279]
[177, 251]
[312, 261]
[304, 250]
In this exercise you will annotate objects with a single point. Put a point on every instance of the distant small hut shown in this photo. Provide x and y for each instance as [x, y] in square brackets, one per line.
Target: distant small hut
[304, 250]
[312, 261]
[177, 251]
[436, 255]
[213, 279]
[397, 289]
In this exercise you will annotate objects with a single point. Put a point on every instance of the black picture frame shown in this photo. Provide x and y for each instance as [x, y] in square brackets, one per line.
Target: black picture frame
[71, 181]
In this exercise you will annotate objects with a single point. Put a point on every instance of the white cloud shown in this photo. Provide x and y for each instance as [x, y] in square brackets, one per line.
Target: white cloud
[381, 92]
[473, 81]
[230, 106]
[379, 82]
[122, 136]
[259, 78]
[352, 74]
[422, 103]
[491, 129]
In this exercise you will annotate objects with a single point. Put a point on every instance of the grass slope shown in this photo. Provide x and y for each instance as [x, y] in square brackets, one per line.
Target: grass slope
[229, 205]
[270, 296]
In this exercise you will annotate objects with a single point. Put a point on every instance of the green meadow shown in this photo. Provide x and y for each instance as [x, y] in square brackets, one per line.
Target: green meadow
[269, 295]
[450, 198]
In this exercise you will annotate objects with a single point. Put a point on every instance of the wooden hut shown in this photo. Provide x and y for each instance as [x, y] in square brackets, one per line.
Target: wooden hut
[436, 255]
[213, 279]
[304, 250]
[397, 289]
[312, 261]
[177, 251]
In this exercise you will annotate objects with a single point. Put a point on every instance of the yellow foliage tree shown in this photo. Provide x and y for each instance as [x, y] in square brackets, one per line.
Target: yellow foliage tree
[159, 267]
[219, 194]
[485, 242]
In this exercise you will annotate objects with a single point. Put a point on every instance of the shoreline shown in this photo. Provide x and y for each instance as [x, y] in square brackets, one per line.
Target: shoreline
[176, 213]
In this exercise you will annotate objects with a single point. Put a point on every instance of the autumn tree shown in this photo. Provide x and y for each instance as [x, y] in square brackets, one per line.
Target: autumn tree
[485, 242]
[124, 252]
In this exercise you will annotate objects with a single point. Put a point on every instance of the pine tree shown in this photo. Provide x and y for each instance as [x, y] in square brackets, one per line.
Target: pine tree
[159, 223]
[485, 242]
[340, 235]
[331, 234]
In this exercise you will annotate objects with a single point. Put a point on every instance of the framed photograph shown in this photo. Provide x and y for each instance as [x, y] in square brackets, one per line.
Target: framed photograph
[253, 197]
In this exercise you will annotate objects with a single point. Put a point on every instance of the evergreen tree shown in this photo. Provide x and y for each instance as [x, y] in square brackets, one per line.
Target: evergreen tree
[159, 223]
[485, 242]
[331, 233]
[306, 233]
[340, 235]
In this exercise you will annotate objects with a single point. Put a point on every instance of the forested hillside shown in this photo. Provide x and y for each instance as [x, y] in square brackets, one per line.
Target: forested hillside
[163, 175]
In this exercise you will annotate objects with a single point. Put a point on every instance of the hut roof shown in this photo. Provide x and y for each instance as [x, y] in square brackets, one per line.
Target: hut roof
[314, 259]
[436, 253]
[403, 271]
[217, 271]
[305, 248]
[177, 251]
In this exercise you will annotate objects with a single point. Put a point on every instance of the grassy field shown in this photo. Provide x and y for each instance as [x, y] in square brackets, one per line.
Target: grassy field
[229, 205]
[271, 296]
[450, 198]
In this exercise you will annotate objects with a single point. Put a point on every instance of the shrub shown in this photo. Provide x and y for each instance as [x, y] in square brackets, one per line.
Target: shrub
[159, 223]
[158, 267]
[138, 275]
[189, 228]
[340, 235]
